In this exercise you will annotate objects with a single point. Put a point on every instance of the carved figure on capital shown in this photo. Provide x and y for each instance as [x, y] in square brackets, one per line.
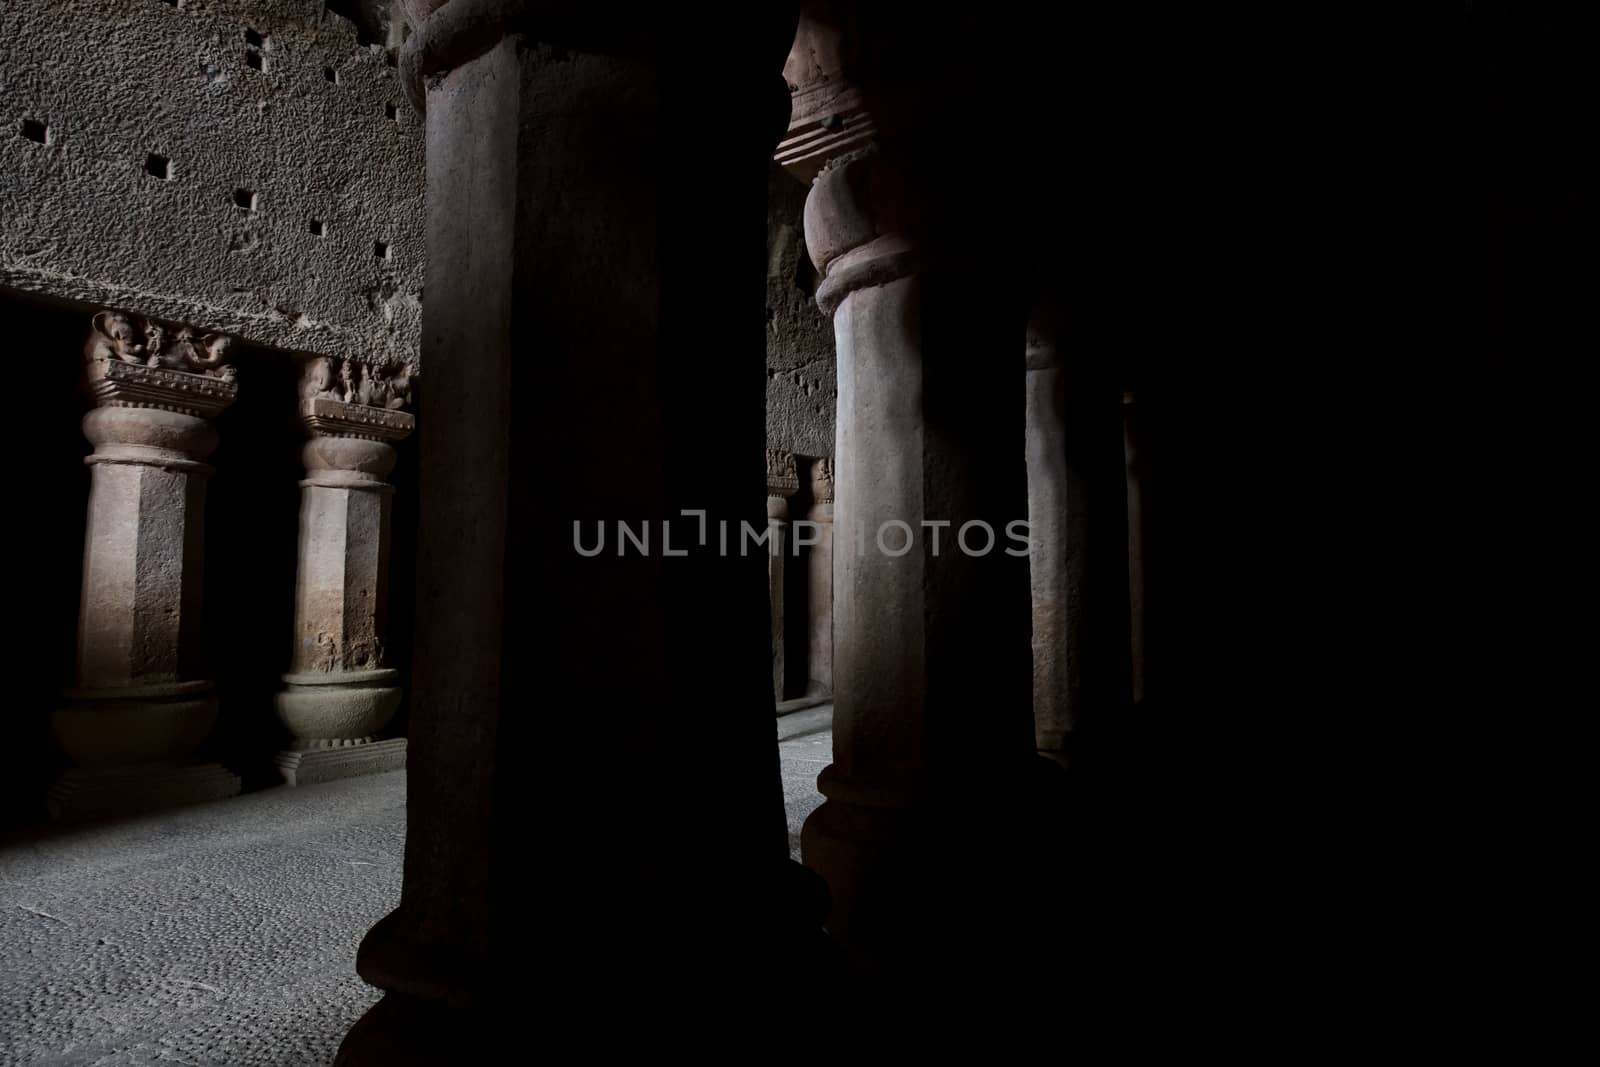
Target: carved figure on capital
[114, 335]
[356, 382]
[117, 336]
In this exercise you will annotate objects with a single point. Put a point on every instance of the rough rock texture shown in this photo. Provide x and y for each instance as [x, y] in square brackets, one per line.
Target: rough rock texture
[221, 933]
[243, 165]
[801, 386]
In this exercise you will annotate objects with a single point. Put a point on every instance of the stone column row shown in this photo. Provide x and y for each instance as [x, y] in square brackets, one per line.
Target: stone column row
[141, 705]
[783, 483]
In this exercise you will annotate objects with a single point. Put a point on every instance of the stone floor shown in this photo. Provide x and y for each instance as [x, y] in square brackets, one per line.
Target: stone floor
[805, 746]
[225, 934]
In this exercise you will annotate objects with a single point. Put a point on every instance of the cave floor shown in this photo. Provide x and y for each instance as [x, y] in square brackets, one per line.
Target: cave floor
[226, 933]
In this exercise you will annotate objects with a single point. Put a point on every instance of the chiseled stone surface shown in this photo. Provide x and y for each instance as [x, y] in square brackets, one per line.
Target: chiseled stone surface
[247, 165]
[801, 390]
[227, 933]
[217, 934]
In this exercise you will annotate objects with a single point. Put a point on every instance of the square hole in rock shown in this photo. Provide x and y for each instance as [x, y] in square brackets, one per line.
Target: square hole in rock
[331, 75]
[319, 228]
[392, 112]
[254, 39]
[254, 61]
[35, 131]
[380, 249]
[244, 198]
[158, 166]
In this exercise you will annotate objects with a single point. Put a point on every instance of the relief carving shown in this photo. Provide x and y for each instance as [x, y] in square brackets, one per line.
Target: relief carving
[114, 336]
[822, 480]
[356, 382]
[782, 477]
[362, 655]
[119, 336]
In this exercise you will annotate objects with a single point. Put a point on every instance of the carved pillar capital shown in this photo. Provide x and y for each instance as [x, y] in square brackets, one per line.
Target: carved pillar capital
[351, 425]
[154, 388]
[1040, 346]
[829, 116]
[783, 479]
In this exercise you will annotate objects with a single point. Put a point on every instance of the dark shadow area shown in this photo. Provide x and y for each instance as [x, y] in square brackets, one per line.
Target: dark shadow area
[50, 492]
[252, 523]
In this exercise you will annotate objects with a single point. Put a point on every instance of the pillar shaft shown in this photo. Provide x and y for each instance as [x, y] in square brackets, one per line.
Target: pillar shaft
[1078, 537]
[782, 483]
[1055, 543]
[562, 184]
[929, 609]
[819, 570]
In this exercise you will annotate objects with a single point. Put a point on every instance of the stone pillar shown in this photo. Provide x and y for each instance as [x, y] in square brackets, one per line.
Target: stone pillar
[1134, 455]
[339, 695]
[592, 304]
[1078, 537]
[931, 735]
[142, 705]
[1052, 540]
[782, 483]
[819, 571]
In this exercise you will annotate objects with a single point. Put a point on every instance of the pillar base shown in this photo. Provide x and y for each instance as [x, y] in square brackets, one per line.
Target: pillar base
[873, 860]
[157, 725]
[352, 705]
[94, 794]
[309, 766]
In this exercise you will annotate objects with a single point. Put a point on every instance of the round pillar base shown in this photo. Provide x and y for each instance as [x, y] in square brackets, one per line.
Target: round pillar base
[127, 726]
[337, 708]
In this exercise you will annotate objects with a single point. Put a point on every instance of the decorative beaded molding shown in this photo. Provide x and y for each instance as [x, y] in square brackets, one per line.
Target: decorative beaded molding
[335, 418]
[114, 383]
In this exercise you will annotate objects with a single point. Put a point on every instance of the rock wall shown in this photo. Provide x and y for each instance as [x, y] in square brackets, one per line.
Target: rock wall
[247, 166]
[802, 389]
